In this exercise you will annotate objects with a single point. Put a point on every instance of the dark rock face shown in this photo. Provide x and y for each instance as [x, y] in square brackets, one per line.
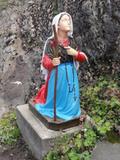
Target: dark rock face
[15, 72]
[97, 27]
[35, 23]
[96, 23]
[16, 87]
[96, 32]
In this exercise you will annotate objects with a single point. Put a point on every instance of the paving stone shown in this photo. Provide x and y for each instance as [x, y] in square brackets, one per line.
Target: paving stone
[106, 151]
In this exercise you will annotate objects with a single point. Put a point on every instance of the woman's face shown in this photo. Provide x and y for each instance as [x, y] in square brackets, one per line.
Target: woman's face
[64, 23]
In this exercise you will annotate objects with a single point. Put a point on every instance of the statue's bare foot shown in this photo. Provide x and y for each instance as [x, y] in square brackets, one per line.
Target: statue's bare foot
[83, 117]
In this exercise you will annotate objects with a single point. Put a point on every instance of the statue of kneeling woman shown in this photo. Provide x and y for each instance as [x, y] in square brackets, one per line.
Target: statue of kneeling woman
[67, 62]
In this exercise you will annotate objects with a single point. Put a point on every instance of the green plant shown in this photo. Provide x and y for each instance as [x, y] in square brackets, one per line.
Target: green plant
[77, 146]
[9, 132]
[3, 4]
[102, 103]
[85, 156]
[72, 155]
[90, 138]
[52, 156]
[103, 129]
[78, 141]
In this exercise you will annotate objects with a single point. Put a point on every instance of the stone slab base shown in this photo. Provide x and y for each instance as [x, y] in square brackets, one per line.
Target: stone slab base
[39, 138]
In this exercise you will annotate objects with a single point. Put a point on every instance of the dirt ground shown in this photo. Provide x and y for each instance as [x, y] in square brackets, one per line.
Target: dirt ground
[19, 151]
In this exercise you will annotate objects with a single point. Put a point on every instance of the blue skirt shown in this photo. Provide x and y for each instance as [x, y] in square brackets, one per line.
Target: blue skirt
[67, 98]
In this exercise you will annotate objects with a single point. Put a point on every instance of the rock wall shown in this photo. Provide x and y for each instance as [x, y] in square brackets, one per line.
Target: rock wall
[96, 23]
[15, 73]
[25, 25]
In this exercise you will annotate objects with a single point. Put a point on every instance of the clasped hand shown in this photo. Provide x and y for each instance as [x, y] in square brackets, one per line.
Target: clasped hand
[56, 61]
[70, 51]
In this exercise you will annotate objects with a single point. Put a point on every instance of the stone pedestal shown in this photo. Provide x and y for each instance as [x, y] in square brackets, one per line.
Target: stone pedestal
[39, 138]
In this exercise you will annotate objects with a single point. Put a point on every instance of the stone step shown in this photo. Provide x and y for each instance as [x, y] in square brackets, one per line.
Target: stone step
[39, 138]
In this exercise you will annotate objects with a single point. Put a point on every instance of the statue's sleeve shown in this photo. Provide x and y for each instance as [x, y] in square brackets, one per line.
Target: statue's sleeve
[47, 58]
[48, 49]
[81, 57]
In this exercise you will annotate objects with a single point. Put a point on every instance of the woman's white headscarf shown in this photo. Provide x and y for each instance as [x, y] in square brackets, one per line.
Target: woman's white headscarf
[55, 22]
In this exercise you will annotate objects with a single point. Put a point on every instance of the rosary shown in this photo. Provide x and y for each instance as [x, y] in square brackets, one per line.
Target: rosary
[73, 88]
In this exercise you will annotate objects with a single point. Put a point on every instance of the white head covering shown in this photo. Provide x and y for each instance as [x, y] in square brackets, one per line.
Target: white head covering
[55, 22]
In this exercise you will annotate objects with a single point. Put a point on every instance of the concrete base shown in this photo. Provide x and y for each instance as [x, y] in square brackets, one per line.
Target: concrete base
[39, 138]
